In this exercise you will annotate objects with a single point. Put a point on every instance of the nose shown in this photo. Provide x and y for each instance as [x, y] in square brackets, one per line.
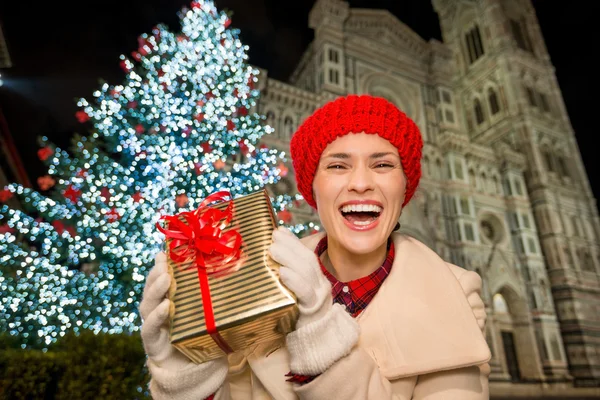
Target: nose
[361, 179]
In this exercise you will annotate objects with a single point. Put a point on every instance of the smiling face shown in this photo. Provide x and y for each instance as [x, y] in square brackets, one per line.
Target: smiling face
[359, 189]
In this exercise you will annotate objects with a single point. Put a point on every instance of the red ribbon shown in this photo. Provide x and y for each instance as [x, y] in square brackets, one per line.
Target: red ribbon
[212, 251]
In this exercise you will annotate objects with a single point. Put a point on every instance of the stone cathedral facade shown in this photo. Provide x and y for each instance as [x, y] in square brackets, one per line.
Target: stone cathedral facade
[504, 191]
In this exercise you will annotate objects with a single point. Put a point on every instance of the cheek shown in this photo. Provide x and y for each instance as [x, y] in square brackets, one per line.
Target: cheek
[325, 188]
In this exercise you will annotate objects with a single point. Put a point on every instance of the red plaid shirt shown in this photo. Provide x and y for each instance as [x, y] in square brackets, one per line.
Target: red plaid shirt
[354, 295]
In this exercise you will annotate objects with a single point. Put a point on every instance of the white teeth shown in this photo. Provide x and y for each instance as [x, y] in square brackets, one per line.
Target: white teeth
[362, 223]
[361, 208]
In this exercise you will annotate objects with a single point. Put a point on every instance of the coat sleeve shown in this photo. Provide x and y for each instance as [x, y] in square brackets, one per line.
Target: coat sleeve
[470, 383]
[192, 382]
[357, 376]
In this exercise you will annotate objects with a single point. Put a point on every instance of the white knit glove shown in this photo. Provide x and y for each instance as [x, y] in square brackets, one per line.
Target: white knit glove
[173, 374]
[325, 332]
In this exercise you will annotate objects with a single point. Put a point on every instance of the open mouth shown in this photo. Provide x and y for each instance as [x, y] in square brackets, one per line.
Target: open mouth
[361, 214]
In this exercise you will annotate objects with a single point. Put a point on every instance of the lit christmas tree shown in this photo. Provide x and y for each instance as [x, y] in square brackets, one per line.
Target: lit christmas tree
[177, 130]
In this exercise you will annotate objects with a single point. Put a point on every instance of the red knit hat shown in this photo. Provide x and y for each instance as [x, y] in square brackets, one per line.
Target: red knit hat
[355, 114]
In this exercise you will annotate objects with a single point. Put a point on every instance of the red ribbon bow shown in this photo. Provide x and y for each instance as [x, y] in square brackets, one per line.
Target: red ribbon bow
[213, 251]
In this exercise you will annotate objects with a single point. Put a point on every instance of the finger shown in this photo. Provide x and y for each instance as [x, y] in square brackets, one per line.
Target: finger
[286, 231]
[160, 266]
[153, 327]
[297, 284]
[155, 294]
[282, 254]
[308, 269]
[295, 249]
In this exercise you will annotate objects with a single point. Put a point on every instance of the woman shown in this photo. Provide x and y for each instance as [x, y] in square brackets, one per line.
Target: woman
[381, 315]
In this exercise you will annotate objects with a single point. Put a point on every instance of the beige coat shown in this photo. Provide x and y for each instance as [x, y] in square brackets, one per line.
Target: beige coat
[421, 338]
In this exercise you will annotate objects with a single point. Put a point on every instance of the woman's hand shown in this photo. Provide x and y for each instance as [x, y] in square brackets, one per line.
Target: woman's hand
[154, 309]
[174, 376]
[301, 273]
[324, 332]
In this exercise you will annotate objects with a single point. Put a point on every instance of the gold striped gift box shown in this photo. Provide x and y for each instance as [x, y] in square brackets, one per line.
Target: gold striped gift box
[250, 305]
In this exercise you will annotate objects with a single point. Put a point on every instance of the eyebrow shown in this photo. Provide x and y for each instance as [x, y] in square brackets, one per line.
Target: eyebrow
[372, 156]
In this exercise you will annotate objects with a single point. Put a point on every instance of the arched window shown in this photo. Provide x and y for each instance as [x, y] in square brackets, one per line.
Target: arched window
[426, 167]
[479, 117]
[271, 119]
[548, 160]
[497, 185]
[500, 305]
[493, 100]
[472, 178]
[288, 128]
[473, 44]
[439, 170]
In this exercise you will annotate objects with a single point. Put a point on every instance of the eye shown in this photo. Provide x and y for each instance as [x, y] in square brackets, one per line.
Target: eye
[384, 165]
[335, 166]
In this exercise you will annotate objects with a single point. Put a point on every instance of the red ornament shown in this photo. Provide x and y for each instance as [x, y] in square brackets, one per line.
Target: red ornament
[235, 92]
[223, 42]
[139, 128]
[182, 200]
[71, 230]
[251, 82]
[285, 216]
[198, 168]
[82, 173]
[263, 147]
[206, 147]
[124, 66]
[137, 197]
[132, 104]
[5, 195]
[196, 6]
[199, 117]
[82, 116]
[44, 153]
[242, 111]
[209, 95]
[283, 170]
[227, 23]
[46, 182]
[72, 194]
[156, 33]
[115, 92]
[243, 148]
[200, 103]
[181, 38]
[136, 56]
[160, 73]
[219, 164]
[230, 125]
[4, 229]
[105, 193]
[59, 227]
[113, 215]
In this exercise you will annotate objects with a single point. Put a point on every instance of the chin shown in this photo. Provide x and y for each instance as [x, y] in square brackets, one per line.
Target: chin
[364, 242]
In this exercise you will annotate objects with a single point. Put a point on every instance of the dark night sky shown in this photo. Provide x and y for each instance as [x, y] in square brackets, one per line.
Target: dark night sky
[61, 49]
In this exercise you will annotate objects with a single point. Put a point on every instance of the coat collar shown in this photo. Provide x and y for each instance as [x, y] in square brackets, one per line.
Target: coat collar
[420, 320]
